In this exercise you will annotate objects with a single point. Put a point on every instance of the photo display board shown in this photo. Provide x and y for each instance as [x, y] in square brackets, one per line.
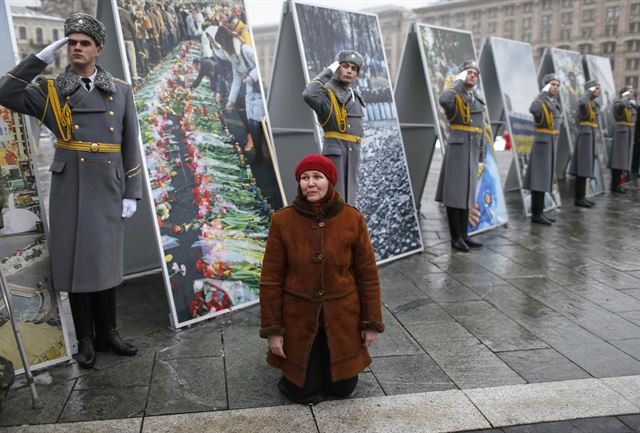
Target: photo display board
[212, 175]
[24, 256]
[510, 63]
[568, 66]
[444, 51]
[599, 68]
[385, 194]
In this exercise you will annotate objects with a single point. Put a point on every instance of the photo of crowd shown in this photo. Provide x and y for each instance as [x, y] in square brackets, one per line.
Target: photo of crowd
[384, 195]
[202, 118]
[445, 50]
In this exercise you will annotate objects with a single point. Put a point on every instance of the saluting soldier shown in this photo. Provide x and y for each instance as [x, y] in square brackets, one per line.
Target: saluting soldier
[625, 113]
[584, 154]
[540, 173]
[340, 110]
[465, 149]
[95, 175]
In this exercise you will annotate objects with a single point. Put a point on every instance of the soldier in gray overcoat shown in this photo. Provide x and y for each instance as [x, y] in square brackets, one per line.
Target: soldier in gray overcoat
[465, 149]
[625, 114]
[95, 175]
[540, 173]
[340, 111]
[584, 155]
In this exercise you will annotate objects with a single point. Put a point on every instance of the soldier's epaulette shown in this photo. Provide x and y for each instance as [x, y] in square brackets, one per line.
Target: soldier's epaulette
[120, 81]
[42, 79]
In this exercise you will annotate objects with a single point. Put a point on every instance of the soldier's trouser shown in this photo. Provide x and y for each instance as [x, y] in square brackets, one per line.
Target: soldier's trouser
[581, 187]
[537, 203]
[615, 178]
[94, 311]
[458, 222]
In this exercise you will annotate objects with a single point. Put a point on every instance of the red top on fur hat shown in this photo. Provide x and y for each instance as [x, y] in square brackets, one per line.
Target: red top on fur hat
[318, 163]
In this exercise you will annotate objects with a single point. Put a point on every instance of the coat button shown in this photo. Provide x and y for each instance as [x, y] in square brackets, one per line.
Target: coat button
[76, 126]
[81, 159]
[110, 98]
[68, 97]
[109, 162]
[321, 224]
[111, 129]
[111, 113]
[321, 292]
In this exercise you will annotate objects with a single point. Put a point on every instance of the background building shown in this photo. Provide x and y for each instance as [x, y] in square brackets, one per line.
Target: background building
[609, 28]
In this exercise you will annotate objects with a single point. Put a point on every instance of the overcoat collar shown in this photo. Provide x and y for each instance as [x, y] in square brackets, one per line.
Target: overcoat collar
[68, 81]
[328, 210]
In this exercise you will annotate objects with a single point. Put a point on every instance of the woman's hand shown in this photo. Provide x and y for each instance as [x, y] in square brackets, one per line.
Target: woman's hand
[368, 337]
[276, 345]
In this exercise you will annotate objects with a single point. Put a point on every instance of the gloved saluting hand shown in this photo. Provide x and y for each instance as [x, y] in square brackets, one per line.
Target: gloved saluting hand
[462, 76]
[334, 66]
[48, 53]
[546, 87]
[129, 207]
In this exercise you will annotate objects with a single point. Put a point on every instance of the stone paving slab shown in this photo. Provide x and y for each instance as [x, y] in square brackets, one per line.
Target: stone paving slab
[628, 387]
[278, 419]
[533, 403]
[126, 425]
[442, 411]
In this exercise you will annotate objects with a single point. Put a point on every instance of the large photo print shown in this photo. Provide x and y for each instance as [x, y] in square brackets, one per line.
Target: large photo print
[209, 164]
[384, 196]
[24, 257]
[519, 85]
[568, 67]
[444, 51]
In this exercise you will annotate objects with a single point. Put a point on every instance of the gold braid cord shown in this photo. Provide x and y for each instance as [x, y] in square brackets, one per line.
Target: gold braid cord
[61, 114]
[341, 112]
[548, 116]
[464, 109]
[627, 114]
[592, 113]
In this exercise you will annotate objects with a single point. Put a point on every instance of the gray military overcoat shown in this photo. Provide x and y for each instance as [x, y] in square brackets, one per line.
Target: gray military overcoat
[457, 183]
[86, 226]
[625, 114]
[344, 154]
[540, 172]
[584, 153]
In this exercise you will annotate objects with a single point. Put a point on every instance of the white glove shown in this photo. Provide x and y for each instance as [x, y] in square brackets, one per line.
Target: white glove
[48, 53]
[633, 102]
[546, 87]
[627, 93]
[591, 89]
[462, 76]
[129, 206]
[334, 67]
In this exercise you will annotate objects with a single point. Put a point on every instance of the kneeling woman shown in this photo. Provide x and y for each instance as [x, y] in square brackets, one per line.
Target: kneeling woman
[319, 289]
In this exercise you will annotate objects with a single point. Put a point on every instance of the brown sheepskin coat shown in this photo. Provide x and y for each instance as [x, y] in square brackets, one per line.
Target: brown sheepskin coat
[319, 260]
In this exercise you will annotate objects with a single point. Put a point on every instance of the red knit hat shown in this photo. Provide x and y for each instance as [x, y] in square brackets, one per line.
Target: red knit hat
[318, 163]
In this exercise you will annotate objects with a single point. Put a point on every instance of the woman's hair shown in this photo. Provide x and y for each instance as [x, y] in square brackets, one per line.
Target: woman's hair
[225, 37]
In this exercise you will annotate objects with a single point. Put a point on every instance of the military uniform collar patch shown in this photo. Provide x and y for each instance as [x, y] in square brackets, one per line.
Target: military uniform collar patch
[69, 81]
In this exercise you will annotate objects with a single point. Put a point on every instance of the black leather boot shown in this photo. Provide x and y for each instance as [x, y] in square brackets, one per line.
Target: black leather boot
[583, 203]
[540, 219]
[86, 356]
[113, 341]
[459, 245]
[471, 243]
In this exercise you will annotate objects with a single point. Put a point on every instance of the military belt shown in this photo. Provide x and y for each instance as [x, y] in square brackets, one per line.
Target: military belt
[85, 146]
[547, 131]
[623, 123]
[466, 128]
[342, 136]
[591, 124]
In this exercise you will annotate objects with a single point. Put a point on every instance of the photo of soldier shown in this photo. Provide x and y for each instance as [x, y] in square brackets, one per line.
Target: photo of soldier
[384, 190]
